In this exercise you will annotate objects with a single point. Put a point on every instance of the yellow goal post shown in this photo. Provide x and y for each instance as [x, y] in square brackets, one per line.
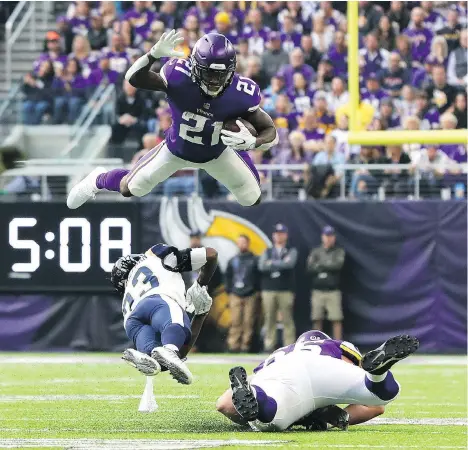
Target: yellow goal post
[393, 137]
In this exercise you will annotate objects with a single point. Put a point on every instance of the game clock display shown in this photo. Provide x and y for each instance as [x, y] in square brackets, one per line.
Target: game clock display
[48, 247]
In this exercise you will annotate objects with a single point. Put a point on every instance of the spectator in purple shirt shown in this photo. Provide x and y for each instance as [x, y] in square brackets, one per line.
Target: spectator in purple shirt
[300, 15]
[270, 94]
[224, 26]
[338, 55]
[325, 118]
[427, 113]
[283, 116]
[313, 133]
[296, 64]
[433, 20]
[103, 74]
[117, 54]
[299, 94]
[53, 53]
[37, 90]
[140, 18]
[79, 23]
[290, 38]
[439, 52]
[255, 32]
[70, 89]
[388, 114]
[205, 13]
[373, 93]
[456, 152]
[331, 16]
[395, 76]
[419, 35]
[82, 53]
[372, 59]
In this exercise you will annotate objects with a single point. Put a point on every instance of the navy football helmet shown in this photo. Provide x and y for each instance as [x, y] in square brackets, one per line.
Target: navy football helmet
[122, 268]
[213, 62]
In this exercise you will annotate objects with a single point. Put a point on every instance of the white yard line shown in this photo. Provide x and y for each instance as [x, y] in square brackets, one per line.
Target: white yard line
[123, 444]
[438, 422]
[89, 358]
[54, 398]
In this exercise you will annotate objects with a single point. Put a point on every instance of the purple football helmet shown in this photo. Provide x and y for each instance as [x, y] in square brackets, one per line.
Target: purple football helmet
[313, 335]
[213, 64]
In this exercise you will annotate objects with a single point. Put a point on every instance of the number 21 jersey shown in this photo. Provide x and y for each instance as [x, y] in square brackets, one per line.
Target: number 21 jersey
[197, 120]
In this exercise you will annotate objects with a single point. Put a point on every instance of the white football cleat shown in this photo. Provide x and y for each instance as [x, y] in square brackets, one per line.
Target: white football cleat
[144, 363]
[85, 190]
[170, 359]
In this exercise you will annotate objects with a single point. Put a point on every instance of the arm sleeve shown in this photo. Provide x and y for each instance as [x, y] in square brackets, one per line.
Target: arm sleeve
[198, 258]
[288, 263]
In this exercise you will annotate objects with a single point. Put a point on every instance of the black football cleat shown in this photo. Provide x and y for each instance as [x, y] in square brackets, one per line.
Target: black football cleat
[242, 396]
[378, 361]
[333, 415]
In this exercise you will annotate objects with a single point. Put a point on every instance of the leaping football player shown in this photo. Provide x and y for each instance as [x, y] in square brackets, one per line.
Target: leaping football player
[203, 93]
[301, 384]
[155, 306]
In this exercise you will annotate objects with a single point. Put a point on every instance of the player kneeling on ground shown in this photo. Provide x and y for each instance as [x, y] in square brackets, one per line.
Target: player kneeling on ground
[301, 384]
[155, 306]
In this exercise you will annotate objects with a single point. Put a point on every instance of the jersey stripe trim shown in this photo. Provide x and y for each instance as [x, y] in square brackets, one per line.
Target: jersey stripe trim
[353, 353]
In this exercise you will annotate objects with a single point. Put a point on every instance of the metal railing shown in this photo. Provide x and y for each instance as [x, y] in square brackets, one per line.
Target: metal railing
[13, 30]
[89, 116]
[279, 181]
[9, 106]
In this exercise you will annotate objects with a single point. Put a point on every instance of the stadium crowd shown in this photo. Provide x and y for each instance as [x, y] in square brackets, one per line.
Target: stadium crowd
[413, 69]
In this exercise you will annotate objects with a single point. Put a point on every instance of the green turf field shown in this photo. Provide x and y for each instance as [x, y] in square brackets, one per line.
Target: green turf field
[90, 402]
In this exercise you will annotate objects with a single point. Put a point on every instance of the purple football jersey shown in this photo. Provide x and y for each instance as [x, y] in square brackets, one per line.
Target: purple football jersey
[118, 61]
[420, 42]
[59, 61]
[373, 97]
[308, 342]
[456, 152]
[290, 40]
[197, 120]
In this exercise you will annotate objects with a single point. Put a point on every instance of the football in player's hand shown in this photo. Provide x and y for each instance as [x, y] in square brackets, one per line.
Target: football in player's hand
[231, 125]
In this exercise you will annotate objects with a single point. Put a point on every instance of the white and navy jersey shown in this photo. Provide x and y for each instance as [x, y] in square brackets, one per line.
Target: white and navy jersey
[150, 277]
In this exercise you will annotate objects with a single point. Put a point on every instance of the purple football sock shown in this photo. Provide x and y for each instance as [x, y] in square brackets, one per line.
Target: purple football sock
[111, 180]
[386, 389]
[267, 406]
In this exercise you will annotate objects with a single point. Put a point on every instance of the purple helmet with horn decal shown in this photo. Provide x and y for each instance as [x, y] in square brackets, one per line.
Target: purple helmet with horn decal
[213, 64]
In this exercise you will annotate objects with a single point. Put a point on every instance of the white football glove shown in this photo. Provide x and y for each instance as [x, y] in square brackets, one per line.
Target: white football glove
[239, 140]
[198, 299]
[166, 44]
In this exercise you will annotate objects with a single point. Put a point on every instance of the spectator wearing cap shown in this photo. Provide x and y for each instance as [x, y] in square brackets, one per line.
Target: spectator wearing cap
[372, 59]
[242, 285]
[53, 52]
[274, 57]
[255, 32]
[457, 72]
[395, 76]
[373, 93]
[296, 65]
[278, 284]
[427, 113]
[325, 119]
[325, 263]
[338, 96]
[311, 55]
[338, 55]
[290, 37]
[419, 35]
[205, 12]
[224, 26]
[451, 31]
[440, 91]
